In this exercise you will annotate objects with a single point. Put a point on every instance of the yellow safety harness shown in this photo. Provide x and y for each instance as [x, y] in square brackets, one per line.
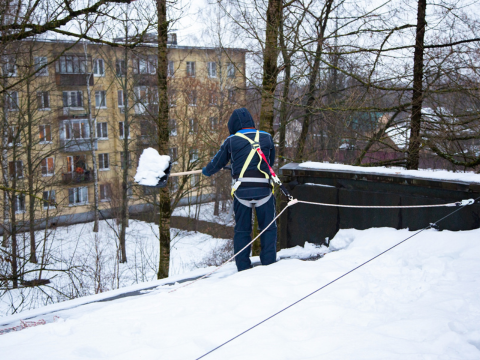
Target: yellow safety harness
[255, 146]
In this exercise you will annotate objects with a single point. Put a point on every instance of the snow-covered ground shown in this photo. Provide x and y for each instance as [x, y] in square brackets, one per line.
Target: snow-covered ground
[205, 212]
[81, 263]
[421, 174]
[419, 301]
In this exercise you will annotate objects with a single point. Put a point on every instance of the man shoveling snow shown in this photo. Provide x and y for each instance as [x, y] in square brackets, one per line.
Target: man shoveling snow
[253, 186]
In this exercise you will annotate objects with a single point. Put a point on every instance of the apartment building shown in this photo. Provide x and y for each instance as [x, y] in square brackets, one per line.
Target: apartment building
[90, 105]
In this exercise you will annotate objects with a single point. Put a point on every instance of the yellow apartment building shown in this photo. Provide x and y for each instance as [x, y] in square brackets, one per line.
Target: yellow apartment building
[50, 141]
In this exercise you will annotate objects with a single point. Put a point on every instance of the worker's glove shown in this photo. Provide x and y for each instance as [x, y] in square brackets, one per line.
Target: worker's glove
[204, 171]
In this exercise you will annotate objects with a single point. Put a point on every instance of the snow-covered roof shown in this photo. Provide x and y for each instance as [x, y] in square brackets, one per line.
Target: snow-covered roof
[420, 300]
[466, 177]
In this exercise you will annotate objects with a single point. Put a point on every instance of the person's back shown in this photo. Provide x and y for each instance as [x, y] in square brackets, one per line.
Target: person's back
[252, 187]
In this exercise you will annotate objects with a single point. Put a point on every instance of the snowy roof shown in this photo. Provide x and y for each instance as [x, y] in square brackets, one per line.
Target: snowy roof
[416, 301]
[443, 175]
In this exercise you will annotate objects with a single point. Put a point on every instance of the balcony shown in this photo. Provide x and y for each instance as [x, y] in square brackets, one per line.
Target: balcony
[78, 145]
[73, 79]
[77, 178]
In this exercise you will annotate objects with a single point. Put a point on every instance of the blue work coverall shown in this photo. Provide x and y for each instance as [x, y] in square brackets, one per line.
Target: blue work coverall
[236, 150]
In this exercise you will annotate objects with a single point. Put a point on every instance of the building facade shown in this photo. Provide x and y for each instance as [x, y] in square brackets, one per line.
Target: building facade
[72, 108]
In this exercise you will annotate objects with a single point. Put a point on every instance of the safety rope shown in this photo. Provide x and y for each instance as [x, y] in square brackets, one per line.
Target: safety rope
[295, 201]
[458, 203]
[290, 203]
[431, 225]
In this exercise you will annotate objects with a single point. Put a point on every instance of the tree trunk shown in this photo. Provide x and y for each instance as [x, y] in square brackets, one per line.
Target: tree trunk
[30, 175]
[417, 96]
[91, 124]
[163, 139]
[126, 122]
[283, 105]
[270, 69]
[313, 81]
[5, 181]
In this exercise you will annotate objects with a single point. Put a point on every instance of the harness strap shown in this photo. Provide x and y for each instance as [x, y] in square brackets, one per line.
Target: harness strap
[255, 147]
[254, 203]
[254, 180]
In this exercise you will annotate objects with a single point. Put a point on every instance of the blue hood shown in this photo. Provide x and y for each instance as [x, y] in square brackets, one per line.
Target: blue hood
[241, 118]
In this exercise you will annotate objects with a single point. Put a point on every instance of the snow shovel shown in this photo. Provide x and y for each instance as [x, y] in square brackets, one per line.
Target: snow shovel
[162, 182]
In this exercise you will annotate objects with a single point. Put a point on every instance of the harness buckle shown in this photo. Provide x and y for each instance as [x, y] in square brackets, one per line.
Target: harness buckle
[255, 145]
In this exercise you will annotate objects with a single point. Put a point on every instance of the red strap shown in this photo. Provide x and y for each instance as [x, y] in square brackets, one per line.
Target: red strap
[265, 159]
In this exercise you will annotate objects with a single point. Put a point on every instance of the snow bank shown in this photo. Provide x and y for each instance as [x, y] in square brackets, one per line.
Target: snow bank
[151, 167]
[469, 177]
[419, 301]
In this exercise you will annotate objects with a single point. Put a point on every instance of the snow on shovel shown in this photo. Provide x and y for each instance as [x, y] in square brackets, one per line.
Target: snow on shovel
[154, 169]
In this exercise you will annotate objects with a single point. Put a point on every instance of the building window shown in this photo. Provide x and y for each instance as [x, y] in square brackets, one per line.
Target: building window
[171, 68]
[173, 154]
[13, 136]
[195, 180]
[191, 68]
[76, 129]
[120, 67]
[193, 155]
[100, 99]
[213, 123]
[10, 67]
[98, 67]
[102, 130]
[43, 100]
[103, 162]
[172, 126]
[78, 196]
[71, 64]
[48, 166]
[105, 192]
[15, 169]
[77, 163]
[19, 204]
[231, 96]
[72, 99]
[144, 97]
[212, 98]
[12, 101]
[49, 199]
[122, 160]
[130, 189]
[192, 98]
[122, 130]
[145, 65]
[193, 126]
[45, 134]
[230, 70]
[212, 69]
[121, 99]
[172, 98]
[41, 68]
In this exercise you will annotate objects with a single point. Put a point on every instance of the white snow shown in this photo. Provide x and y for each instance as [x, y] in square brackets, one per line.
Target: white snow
[421, 300]
[321, 185]
[469, 177]
[92, 261]
[151, 167]
[205, 212]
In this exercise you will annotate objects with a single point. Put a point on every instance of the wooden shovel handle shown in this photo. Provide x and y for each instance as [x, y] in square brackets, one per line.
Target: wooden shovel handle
[187, 173]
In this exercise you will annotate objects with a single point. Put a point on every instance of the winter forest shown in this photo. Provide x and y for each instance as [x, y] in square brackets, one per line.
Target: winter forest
[86, 86]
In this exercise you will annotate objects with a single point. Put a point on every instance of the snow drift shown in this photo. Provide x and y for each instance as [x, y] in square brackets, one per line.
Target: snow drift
[419, 301]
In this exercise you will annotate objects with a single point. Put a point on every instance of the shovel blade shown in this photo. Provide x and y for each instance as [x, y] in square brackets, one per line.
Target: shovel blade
[162, 182]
